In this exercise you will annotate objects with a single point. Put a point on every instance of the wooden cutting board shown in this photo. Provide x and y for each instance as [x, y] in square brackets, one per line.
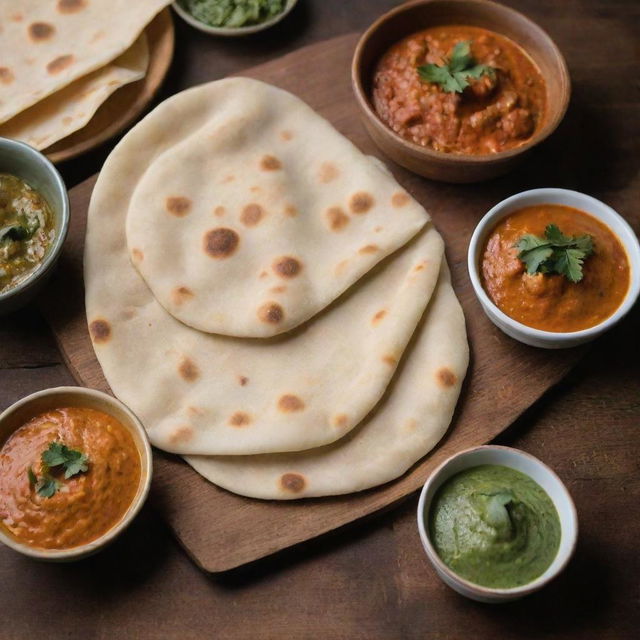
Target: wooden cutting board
[220, 530]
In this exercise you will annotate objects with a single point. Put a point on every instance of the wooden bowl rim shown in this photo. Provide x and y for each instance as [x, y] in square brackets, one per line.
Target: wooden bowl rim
[461, 158]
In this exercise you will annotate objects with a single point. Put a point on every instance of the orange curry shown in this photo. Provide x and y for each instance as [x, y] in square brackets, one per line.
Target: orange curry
[86, 505]
[494, 113]
[550, 301]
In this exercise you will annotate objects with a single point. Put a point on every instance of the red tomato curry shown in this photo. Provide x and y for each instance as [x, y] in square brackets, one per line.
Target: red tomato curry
[84, 506]
[550, 301]
[494, 113]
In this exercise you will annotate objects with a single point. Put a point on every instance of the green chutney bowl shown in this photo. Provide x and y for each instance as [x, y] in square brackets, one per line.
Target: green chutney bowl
[25, 162]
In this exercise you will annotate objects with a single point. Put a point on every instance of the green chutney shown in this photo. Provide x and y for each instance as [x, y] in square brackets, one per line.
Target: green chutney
[494, 526]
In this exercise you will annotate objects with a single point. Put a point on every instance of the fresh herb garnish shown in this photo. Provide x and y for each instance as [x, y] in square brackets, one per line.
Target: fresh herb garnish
[57, 455]
[453, 76]
[20, 230]
[555, 253]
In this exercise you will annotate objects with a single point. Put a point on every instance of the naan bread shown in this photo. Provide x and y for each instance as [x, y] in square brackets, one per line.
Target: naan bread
[262, 215]
[202, 393]
[47, 44]
[406, 425]
[72, 107]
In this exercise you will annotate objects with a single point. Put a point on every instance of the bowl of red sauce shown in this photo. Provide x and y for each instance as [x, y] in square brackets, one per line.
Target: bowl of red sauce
[458, 90]
[554, 268]
[75, 469]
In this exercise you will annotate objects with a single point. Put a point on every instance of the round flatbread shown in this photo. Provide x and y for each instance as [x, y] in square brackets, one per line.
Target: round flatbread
[262, 215]
[405, 426]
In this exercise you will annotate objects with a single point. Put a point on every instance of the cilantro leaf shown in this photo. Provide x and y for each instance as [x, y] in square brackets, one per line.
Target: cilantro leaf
[453, 76]
[47, 486]
[555, 253]
[32, 477]
[58, 454]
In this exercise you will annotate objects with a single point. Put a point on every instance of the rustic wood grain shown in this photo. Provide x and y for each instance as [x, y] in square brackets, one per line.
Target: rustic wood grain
[221, 530]
[371, 581]
[126, 104]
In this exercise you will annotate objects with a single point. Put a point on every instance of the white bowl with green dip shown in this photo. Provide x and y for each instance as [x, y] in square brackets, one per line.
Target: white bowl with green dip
[496, 523]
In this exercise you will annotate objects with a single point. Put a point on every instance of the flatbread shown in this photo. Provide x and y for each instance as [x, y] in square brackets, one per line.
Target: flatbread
[46, 45]
[409, 421]
[261, 216]
[71, 108]
[202, 393]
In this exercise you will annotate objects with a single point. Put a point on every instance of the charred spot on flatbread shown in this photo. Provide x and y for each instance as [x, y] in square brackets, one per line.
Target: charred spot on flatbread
[188, 370]
[446, 377]
[270, 163]
[240, 419]
[271, 313]
[292, 482]
[100, 330]
[290, 403]
[178, 206]
[59, 64]
[337, 218]
[221, 242]
[361, 202]
[287, 267]
[251, 215]
[39, 31]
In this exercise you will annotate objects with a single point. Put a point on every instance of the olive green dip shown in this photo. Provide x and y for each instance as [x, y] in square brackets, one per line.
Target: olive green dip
[494, 526]
[233, 13]
[26, 230]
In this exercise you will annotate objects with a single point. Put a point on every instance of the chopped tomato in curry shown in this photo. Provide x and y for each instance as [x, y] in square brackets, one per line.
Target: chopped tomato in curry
[550, 301]
[86, 505]
[496, 112]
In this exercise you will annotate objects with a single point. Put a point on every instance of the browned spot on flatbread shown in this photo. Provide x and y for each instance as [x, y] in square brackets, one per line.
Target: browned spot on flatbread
[98, 35]
[71, 6]
[39, 31]
[240, 419]
[221, 242]
[67, 120]
[369, 248]
[421, 266]
[59, 64]
[129, 314]
[286, 135]
[337, 218]
[242, 380]
[228, 178]
[290, 403]
[181, 295]
[341, 267]
[219, 211]
[290, 211]
[137, 255]
[251, 215]
[271, 313]
[255, 189]
[378, 316]
[280, 289]
[377, 229]
[287, 267]
[263, 275]
[446, 377]
[178, 206]
[6, 75]
[410, 426]
[341, 420]
[293, 482]
[181, 435]
[400, 199]
[16, 17]
[195, 411]
[389, 359]
[361, 202]
[270, 163]
[100, 330]
[188, 370]
[328, 172]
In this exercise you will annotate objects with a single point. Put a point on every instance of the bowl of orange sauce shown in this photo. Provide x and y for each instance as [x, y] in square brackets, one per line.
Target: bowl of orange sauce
[75, 469]
[554, 268]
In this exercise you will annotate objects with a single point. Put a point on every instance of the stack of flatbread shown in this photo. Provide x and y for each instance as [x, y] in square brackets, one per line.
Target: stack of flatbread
[267, 299]
[61, 59]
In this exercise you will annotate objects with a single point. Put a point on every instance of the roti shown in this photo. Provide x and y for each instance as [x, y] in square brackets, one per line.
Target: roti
[71, 108]
[408, 422]
[202, 393]
[262, 215]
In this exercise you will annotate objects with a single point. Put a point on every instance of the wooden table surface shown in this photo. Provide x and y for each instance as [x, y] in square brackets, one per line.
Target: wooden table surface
[372, 580]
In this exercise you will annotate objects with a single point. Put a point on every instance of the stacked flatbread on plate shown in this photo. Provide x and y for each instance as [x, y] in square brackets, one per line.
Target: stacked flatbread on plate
[267, 299]
[61, 59]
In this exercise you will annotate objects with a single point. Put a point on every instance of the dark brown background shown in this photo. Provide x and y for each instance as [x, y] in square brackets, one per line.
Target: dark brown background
[373, 580]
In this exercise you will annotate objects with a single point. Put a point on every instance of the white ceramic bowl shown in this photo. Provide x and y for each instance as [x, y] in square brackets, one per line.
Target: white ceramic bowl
[233, 31]
[36, 403]
[532, 467]
[577, 200]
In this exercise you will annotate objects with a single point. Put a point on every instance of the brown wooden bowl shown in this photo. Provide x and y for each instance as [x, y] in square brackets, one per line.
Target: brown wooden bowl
[421, 14]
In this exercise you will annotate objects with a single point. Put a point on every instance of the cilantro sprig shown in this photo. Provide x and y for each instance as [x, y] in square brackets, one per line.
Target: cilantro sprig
[453, 76]
[555, 253]
[57, 455]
